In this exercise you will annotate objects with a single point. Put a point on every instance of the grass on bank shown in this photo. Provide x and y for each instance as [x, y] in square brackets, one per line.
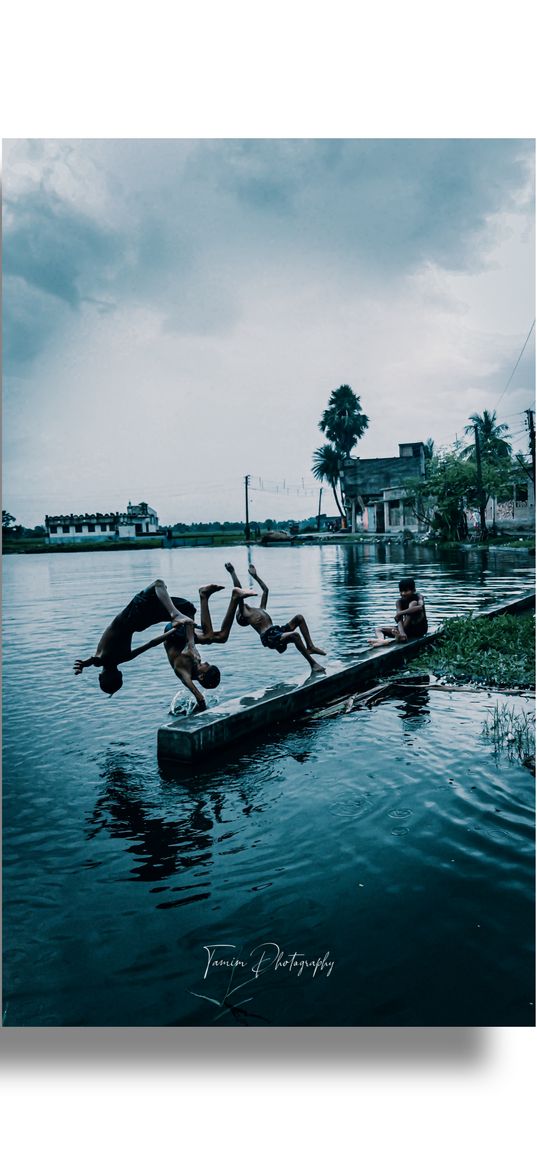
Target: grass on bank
[513, 732]
[498, 652]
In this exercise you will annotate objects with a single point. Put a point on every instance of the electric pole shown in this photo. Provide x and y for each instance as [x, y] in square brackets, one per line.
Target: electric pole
[247, 527]
[531, 427]
[319, 513]
[480, 494]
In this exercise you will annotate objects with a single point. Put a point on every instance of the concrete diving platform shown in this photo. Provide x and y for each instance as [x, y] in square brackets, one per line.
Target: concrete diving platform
[187, 740]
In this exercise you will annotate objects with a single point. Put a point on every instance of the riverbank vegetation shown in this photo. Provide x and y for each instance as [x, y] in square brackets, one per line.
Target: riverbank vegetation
[512, 732]
[498, 652]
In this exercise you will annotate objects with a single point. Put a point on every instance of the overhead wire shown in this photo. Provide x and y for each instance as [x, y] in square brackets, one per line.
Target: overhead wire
[516, 365]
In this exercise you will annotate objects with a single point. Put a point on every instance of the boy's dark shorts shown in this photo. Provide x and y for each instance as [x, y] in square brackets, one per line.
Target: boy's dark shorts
[272, 638]
[416, 630]
[146, 609]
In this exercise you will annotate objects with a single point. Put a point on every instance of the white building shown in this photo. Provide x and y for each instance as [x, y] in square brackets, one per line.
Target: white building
[139, 521]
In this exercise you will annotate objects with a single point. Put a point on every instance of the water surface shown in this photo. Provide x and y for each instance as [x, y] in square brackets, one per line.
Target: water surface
[390, 842]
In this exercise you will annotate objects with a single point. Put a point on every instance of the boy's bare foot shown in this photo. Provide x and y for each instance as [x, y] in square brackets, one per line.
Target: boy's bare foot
[316, 651]
[316, 667]
[379, 642]
[241, 593]
[229, 567]
[252, 570]
[210, 589]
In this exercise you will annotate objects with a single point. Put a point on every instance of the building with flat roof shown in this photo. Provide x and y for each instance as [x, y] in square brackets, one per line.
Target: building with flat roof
[138, 521]
[373, 488]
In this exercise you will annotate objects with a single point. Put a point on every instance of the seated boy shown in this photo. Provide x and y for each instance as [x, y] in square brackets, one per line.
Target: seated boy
[278, 638]
[410, 617]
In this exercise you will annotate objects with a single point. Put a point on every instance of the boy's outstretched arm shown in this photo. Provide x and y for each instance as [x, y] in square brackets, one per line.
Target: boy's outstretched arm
[231, 570]
[80, 664]
[151, 643]
[186, 680]
[264, 588]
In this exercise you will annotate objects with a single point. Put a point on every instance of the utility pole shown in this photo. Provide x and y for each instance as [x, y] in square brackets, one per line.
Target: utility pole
[247, 527]
[531, 427]
[319, 513]
[480, 494]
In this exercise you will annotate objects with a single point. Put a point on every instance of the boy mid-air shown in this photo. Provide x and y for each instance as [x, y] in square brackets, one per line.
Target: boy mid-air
[410, 618]
[276, 638]
[180, 643]
[155, 605]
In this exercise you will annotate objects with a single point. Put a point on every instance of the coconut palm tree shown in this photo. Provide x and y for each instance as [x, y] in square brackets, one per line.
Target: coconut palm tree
[343, 420]
[327, 467]
[489, 434]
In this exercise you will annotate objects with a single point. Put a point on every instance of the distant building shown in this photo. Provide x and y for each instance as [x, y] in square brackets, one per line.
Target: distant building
[138, 521]
[373, 489]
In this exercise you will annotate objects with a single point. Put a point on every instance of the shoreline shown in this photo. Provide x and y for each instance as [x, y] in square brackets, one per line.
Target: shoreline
[219, 539]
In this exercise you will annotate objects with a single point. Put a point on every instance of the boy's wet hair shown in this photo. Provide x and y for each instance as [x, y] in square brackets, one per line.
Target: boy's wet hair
[210, 678]
[407, 584]
[110, 681]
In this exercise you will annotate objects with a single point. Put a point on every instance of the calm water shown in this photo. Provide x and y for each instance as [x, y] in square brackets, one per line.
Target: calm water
[391, 843]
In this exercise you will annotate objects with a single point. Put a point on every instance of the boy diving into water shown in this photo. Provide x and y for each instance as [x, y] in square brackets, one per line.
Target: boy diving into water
[276, 638]
[150, 606]
[182, 652]
[410, 618]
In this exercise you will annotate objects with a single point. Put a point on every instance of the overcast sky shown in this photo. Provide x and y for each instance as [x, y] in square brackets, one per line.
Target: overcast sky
[176, 313]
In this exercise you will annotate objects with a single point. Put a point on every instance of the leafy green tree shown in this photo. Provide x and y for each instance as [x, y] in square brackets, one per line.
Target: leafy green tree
[450, 488]
[7, 520]
[327, 467]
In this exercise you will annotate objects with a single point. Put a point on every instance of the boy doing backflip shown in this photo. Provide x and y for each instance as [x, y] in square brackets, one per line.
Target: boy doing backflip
[181, 648]
[410, 618]
[150, 606]
[276, 638]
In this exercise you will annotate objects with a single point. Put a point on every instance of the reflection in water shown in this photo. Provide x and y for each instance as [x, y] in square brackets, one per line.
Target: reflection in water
[161, 847]
[414, 708]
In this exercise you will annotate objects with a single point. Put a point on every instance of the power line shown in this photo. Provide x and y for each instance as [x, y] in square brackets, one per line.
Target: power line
[517, 363]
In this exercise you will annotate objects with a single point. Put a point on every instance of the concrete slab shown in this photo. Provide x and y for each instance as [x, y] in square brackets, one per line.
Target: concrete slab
[193, 737]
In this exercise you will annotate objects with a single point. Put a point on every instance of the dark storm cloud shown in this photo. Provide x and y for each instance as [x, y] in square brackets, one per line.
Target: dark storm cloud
[388, 204]
[55, 249]
[194, 223]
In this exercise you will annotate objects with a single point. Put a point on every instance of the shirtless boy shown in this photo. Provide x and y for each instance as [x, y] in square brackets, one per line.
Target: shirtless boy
[154, 605]
[276, 638]
[410, 618]
[180, 645]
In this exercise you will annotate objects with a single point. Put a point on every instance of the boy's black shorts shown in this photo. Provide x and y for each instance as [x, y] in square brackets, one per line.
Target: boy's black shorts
[272, 638]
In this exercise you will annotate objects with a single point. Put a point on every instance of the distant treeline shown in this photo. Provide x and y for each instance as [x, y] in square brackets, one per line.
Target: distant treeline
[212, 527]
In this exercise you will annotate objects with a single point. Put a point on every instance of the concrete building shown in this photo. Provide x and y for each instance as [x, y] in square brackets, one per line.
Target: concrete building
[374, 491]
[138, 521]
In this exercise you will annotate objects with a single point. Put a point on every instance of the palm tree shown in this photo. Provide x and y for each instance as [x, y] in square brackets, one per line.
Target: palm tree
[489, 434]
[343, 420]
[327, 467]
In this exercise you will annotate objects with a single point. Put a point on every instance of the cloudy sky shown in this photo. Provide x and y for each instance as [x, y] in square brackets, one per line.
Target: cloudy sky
[176, 313]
